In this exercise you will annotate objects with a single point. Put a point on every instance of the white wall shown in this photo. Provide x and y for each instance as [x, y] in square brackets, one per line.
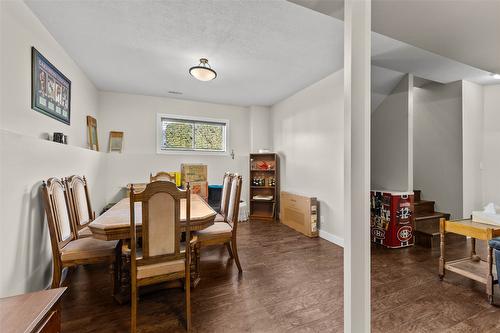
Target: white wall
[135, 115]
[491, 145]
[437, 145]
[308, 134]
[26, 253]
[472, 120]
[26, 159]
[21, 30]
[260, 128]
[391, 140]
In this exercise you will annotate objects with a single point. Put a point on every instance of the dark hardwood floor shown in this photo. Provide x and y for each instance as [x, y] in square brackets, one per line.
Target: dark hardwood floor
[407, 295]
[290, 284]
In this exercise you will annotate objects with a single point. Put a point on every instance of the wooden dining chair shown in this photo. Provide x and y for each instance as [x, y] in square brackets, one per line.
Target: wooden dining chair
[225, 232]
[224, 201]
[162, 175]
[67, 250]
[79, 202]
[160, 259]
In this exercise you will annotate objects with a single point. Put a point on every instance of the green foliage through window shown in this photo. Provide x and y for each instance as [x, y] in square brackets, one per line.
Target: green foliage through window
[180, 134]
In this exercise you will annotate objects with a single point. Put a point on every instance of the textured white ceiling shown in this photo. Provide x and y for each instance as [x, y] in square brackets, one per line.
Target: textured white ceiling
[263, 51]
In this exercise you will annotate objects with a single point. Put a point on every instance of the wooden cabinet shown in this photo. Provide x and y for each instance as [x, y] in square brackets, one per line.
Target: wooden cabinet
[264, 186]
[37, 312]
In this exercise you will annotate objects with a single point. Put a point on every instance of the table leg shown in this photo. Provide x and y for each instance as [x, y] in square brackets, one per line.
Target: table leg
[441, 249]
[473, 255]
[123, 296]
[489, 279]
[196, 265]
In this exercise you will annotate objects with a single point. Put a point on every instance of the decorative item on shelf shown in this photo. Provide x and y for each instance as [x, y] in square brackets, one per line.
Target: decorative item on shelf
[92, 133]
[264, 165]
[272, 181]
[258, 181]
[115, 141]
[58, 137]
[50, 89]
[263, 197]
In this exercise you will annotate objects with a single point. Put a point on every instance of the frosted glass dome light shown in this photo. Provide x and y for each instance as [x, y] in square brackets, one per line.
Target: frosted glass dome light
[203, 72]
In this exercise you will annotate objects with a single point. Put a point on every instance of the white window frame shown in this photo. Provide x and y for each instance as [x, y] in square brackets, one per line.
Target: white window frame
[159, 135]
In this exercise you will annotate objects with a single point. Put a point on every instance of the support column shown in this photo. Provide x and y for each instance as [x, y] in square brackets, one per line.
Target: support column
[357, 54]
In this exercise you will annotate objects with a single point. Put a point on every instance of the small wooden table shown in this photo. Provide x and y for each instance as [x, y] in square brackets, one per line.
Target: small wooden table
[472, 266]
[114, 224]
[33, 312]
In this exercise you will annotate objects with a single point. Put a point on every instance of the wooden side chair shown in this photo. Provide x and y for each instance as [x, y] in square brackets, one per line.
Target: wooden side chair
[225, 232]
[67, 250]
[161, 176]
[161, 257]
[80, 206]
[224, 201]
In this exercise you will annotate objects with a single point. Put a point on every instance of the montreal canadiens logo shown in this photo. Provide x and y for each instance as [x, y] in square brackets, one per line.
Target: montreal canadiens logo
[378, 233]
[404, 234]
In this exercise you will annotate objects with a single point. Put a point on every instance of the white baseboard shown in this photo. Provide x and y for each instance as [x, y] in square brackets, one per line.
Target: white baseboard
[331, 238]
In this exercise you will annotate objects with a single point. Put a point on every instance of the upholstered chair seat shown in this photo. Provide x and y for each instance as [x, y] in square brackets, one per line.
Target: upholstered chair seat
[85, 232]
[88, 248]
[216, 230]
[68, 249]
[219, 218]
[161, 256]
[224, 232]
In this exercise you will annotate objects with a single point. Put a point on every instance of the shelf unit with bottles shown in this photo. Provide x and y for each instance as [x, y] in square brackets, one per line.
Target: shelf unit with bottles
[264, 186]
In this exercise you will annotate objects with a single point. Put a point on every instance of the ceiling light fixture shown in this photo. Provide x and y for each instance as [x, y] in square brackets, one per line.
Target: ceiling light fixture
[203, 71]
[496, 76]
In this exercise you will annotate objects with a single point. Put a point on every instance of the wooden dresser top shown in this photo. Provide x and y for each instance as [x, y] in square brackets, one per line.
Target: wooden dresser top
[22, 313]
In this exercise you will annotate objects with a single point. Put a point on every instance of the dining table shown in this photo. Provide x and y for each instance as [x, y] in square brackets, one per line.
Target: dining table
[114, 224]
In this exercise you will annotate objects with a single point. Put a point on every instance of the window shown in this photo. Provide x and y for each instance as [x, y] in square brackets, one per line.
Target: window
[182, 133]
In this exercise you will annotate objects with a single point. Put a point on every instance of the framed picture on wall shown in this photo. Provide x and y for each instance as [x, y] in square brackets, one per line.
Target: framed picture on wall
[50, 89]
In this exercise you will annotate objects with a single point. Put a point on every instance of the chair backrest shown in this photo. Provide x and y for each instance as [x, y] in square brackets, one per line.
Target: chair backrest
[79, 200]
[226, 186]
[161, 231]
[233, 208]
[58, 214]
[161, 176]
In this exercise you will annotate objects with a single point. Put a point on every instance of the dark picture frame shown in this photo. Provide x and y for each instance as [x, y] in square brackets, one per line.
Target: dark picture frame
[50, 89]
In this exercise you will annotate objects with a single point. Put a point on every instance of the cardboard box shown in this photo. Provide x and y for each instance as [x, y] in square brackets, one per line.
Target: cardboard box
[299, 213]
[193, 173]
[200, 188]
